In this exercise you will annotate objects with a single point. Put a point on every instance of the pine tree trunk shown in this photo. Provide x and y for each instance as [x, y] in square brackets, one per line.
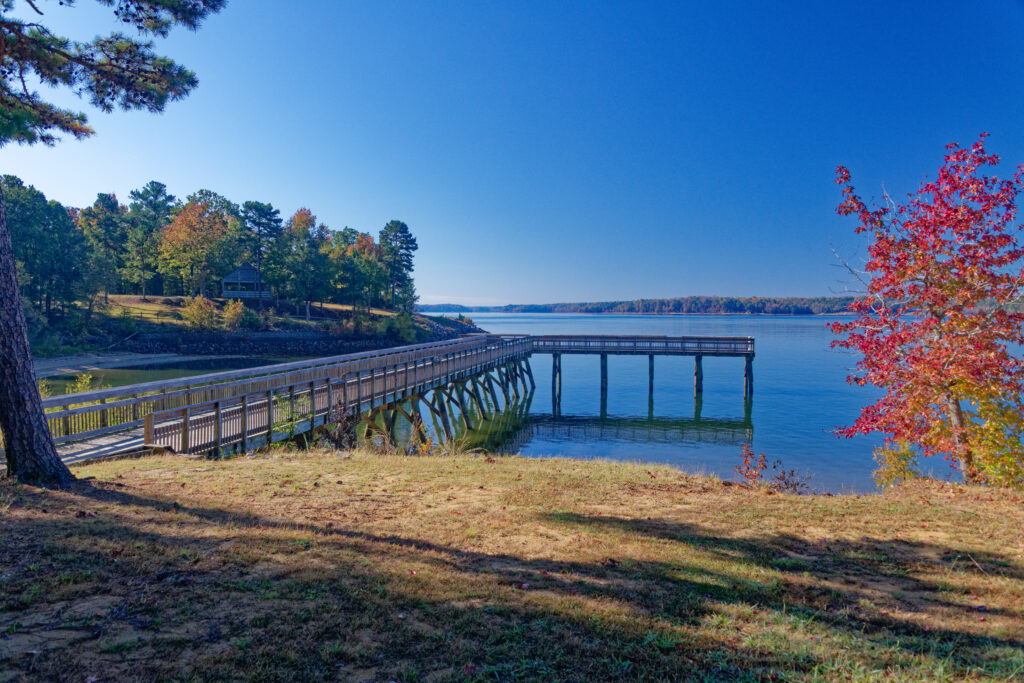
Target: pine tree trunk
[28, 445]
[964, 455]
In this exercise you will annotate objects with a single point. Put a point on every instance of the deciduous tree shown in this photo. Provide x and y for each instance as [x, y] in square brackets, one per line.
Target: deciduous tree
[306, 259]
[200, 242]
[935, 327]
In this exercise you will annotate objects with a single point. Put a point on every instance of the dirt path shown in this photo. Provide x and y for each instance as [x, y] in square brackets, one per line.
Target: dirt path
[69, 365]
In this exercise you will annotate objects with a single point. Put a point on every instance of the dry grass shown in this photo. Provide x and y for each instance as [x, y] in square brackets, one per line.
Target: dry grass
[364, 567]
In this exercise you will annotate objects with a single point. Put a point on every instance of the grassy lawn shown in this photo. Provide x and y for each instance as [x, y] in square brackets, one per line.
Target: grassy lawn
[154, 310]
[363, 567]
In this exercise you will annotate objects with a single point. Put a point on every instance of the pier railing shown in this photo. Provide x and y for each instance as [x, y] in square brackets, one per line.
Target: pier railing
[642, 345]
[89, 414]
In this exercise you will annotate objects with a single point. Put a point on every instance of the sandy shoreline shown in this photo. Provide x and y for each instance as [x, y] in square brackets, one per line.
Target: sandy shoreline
[84, 362]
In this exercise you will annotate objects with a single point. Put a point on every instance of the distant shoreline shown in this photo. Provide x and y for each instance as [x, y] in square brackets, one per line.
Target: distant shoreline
[630, 313]
[688, 305]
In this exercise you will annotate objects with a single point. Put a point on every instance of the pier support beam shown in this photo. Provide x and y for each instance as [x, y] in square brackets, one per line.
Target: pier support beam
[698, 375]
[604, 385]
[748, 377]
[650, 387]
[556, 384]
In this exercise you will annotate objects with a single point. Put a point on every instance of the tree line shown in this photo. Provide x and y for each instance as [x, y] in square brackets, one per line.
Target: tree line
[159, 245]
[686, 304]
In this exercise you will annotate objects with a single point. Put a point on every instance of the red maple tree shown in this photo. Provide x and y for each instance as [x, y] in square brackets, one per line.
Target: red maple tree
[935, 327]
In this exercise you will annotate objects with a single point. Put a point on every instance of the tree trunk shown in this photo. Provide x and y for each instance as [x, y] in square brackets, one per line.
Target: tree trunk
[142, 277]
[963, 454]
[307, 309]
[28, 445]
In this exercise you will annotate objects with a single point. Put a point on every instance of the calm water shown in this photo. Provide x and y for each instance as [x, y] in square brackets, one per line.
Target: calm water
[800, 394]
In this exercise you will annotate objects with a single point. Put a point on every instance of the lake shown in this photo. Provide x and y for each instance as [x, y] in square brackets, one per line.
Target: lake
[800, 395]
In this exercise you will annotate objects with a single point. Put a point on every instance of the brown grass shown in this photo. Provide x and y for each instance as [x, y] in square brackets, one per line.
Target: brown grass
[365, 567]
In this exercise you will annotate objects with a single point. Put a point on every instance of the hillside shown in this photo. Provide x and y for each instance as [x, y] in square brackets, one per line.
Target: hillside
[678, 305]
[160, 325]
[364, 566]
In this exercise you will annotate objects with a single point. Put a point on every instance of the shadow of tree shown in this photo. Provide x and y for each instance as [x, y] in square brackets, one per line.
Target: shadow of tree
[405, 607]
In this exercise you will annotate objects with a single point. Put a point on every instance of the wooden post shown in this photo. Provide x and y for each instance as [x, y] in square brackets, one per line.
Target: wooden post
[245, 424]
[330, 402]
[748, 377]
[103, 413]
[604, 385]
[291, 409]
[270, 416]
[184, 430]
[442, 410]
[698, 375]
[312, 404]
[216, 426]
[148, 430]
[556, 384]
[650, 386]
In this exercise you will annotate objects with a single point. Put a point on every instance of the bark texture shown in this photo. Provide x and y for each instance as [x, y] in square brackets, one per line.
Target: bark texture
[957, 422]
[28, 446]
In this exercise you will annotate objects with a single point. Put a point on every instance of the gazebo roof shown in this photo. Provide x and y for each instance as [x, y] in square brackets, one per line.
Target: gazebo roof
[244, 273]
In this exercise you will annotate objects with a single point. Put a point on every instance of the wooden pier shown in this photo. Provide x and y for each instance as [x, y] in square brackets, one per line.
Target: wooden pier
[240, 408]
[650, 346]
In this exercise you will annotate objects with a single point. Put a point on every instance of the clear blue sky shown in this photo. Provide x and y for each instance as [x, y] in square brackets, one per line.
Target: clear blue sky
[566, 151]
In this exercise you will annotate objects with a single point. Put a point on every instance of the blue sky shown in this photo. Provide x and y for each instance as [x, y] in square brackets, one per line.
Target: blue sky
[566, 151]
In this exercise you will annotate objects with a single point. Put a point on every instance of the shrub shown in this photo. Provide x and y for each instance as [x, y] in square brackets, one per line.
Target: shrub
[199, 313]
[896, 463]
[237, 314]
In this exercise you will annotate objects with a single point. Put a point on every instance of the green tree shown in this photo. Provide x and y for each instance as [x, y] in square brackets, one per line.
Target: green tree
[150, 210]
[397, 249]
[307, 262]
[114, 70]
[49, 249]
[261, 224]
[105, 225]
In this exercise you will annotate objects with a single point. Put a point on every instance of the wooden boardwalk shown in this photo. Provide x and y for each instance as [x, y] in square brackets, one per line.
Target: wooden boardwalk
[247, 407]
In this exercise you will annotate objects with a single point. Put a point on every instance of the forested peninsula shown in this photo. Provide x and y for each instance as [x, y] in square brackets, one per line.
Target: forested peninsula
[754, 305]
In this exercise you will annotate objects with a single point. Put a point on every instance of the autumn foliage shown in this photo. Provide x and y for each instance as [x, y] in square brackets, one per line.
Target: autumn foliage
[938, 321]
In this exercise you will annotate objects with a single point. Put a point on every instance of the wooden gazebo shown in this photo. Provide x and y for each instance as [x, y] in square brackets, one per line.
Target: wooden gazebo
[243, 283]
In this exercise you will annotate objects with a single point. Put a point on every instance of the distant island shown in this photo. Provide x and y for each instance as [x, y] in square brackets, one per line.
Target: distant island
[754, 305]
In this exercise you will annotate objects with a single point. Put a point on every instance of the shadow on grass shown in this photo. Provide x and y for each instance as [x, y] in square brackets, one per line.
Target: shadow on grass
[735, 609]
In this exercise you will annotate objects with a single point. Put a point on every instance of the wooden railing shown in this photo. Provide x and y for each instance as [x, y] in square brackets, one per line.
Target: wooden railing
[81, 416]
[621, 344]
[280, 412]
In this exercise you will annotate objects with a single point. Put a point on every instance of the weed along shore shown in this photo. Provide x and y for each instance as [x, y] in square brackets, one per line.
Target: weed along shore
[360, 566]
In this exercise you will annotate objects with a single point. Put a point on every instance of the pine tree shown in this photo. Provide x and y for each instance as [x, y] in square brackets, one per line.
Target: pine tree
[105, 226]
[149, 212]
[262, 225]
[114, 70]
[398, 246]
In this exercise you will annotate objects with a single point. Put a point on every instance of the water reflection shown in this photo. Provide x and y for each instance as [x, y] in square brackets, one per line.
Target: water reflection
[659, 430]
